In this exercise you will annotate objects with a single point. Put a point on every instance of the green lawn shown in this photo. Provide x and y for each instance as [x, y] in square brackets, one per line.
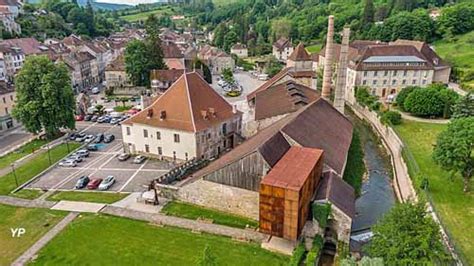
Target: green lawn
[28, 193]
[459, 52]
[314, 48]
[36, 223]
[24, 150]
[33, 167]
[455, 207]
[191, 211]
[108, 240]
[99, 197]
[144, 15]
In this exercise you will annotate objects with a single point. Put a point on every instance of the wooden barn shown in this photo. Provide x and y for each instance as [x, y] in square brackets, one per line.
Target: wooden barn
[286, 192]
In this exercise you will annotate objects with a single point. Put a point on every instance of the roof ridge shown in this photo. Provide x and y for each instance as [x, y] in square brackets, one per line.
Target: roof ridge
[190, 105]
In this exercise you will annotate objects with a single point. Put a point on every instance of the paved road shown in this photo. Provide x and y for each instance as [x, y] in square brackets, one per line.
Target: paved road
[244, 79]
[455, 87]
[33, 250]
[12, 139]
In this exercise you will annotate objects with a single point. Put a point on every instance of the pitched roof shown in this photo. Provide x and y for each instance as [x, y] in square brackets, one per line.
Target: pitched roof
[238, 46]
[166, 75]
[293, 168]
[318, 125]
[171, 50]
[174, 63]
[190, 104]
[282, 43]
[283, 98]
[300, 54]
[117, 65]
[335, 190]
[30, 46]
[426, 50]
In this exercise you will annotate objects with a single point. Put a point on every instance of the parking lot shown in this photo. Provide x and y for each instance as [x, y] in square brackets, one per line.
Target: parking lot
[129, 177]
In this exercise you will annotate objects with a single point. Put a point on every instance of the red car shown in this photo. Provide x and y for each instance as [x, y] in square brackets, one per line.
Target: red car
[94, 183]
[79, 117]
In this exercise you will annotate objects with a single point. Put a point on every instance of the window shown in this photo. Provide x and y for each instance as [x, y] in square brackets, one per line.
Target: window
[394, 82]
[395, 72]
[158, 135]
[365, 73]
[424, 81]
[176, 138]
[375, 73]
[147, 148]
[145, 133]
[374, 82]
[174, 155]
[6, 110]
[385, 82]
[413, 82]
[385, 73]
[4, 101]
[160, 151]
[415, 73]
[128, 131]
[224, 128]
[364, 82]
[405, 72]
[404, 81]
[186, 155]
[11, 96]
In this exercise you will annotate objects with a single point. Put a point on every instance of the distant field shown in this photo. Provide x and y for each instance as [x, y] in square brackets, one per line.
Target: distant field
[144, 15]
[314, 48]
[108, 240]
[460, 52]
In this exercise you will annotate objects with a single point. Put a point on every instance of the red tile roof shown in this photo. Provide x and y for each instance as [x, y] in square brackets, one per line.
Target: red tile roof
[300, 54]
[184, 105]
[29, 46]
[282, 43]
[292, 170]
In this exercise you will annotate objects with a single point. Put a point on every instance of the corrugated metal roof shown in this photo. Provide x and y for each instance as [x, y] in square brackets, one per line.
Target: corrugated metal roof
[394, 59]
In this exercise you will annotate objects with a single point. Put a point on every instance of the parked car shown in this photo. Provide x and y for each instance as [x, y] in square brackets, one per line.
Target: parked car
[80, 137]
[94, 183]
[94, 118]
[89, 138]
[107, 183]
[67, 163]
[76, 158]
[99, 138]
[123, 157]
[114, 121]
[108, 138]
[82, 182]
[73, 136]
[82, 153]
[79, 117]
[92, 147]
[95, 90]
[139, 159]
[88, 117]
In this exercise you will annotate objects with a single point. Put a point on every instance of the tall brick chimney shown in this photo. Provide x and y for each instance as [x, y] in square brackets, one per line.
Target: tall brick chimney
[328, 60]
[339, 97]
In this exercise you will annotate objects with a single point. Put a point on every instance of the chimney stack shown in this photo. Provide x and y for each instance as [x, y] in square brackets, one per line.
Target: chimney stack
[339, 97]
[328, 60]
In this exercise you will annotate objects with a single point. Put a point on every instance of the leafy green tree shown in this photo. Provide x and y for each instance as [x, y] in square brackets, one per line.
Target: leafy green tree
[228, 76]
[153, 43]
[45, 100]
[391, 118]
[137, 63]
[207, 258]
[464, 107]
[219, 34]
[454, 148]
[402, 96]
[407, 235]
[456, 19]
[230, 39]
[273, 66]
[424, 102]
[198, 64]
[369, 11]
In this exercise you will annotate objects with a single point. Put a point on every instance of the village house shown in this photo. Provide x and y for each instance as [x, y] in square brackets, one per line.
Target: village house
[8, 20]
[12, 6]
[172, 55]
[83, 68]
[240, 50]
[190, 120]
[7, 101]
[116, 78]
[11, 60]
[216, 59]
[281, 49]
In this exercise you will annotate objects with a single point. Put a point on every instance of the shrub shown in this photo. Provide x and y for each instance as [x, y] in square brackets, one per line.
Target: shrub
[391, 118]
[435, 100]
[297, 256]
[403, 94]
[355, 167]
[321, 213]
[364, 98]
[313, 254]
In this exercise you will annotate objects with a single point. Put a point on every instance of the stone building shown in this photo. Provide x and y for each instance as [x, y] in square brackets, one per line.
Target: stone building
[83, 68]
[282, 49]
[8, 20]
[7, 101]
[116, 77]
[190, 120]
[240, 50]
[172, 55]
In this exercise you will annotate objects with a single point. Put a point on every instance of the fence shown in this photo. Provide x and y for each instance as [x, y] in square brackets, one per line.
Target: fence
[405, 166]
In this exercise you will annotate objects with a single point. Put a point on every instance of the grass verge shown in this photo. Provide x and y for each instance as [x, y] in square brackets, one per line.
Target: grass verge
[314, 48]
[33, 167]
[128, 242]
[190, 211]
[98, 197]
[36, 223]
[455, 207]
[21, 152]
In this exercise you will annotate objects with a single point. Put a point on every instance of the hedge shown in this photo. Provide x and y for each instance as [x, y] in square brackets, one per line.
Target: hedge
[321, 213]
[297, 256]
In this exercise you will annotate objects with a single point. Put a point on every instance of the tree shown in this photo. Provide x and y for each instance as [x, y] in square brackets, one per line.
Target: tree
[369, 11]
[272, 66]
[230, 39]
[228, 76]
[424, 102]
[198, 64]
[137, 63]
[454, 146]
[153, 43]
[464, 107]
[207, 258]
[391, 118]
[45, 100]
[407, 235]
[402, 96]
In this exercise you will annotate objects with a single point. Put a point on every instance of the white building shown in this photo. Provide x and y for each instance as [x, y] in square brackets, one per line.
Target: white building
[239, 50]
[190, 120]
[282, 49]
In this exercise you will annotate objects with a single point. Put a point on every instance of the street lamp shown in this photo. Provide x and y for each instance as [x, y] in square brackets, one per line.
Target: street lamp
[14, 174]
[49, 155]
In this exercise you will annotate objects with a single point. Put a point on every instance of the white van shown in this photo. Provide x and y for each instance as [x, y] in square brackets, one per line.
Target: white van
[263, 77]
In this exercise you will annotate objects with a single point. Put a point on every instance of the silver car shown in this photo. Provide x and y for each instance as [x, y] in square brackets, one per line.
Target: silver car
[107, 182]
[68, 163]
[139, 159]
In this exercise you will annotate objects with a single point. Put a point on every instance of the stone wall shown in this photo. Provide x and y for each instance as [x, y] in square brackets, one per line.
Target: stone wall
[220, 197]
